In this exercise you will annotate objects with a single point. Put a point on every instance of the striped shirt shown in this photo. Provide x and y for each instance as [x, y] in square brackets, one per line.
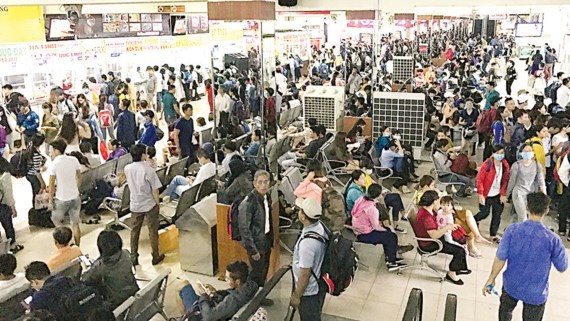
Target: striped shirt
[35, 163]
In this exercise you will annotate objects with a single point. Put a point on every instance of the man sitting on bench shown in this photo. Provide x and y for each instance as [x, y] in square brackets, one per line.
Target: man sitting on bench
[180, 184]
[212, 304]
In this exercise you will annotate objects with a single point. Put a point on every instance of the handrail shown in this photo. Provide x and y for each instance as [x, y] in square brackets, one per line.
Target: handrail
[450, 308]
[414, 308]
[255, 303]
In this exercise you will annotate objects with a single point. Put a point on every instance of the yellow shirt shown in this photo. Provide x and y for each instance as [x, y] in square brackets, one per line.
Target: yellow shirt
[369, 181]
[538, 150]
[63, 256]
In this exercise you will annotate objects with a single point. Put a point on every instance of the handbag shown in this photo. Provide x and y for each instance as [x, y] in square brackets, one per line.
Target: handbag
[41, 201]
[459, 235]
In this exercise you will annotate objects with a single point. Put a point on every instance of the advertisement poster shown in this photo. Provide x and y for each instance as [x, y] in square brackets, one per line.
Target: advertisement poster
[123, 25]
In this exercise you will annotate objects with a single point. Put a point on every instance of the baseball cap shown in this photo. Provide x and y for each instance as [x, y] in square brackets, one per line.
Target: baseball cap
[310, 207]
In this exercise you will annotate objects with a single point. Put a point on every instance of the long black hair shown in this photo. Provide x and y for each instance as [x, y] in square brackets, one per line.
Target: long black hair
[373, 192]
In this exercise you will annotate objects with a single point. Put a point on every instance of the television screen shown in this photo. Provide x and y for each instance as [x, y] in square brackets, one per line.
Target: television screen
[529, 29]
[59, 28]
[179, 25]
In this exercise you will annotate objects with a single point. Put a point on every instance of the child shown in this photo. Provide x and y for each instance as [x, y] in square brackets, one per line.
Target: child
[151, 157]
[85, 148]
[445, 217]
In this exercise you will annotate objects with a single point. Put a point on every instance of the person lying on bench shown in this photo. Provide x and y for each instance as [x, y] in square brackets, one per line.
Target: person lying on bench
[211, 304]
[180, 184]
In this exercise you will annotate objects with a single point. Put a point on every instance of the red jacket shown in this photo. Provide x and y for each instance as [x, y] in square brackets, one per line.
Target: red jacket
[486, 177]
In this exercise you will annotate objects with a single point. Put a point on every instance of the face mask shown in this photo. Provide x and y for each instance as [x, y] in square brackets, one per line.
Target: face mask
[86, 91]
[397, 137]
[369, 171]
[499, 157]
[388, 135]
[527, 155]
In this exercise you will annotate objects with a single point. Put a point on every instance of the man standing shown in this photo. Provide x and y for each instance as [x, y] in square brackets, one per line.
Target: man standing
[530, 259]
[492, 95]
[492, 181]
[183, 133]
[353, 82]
[222, 104]
[308, 257]
[28, 121]
[151, 88]
[255, 227]
[171, 110]
[126, 125]
[143, 184]
[11, 98]
[63, 188]
[563, 93]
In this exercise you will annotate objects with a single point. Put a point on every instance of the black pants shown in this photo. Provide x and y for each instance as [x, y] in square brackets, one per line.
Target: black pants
[36, 186]
[431, 135]
[530, 312]
[563, 210]
[7, 224]
[311, 307]
[494, 204]
[388, 239]
[458, 262]
[509, 86]
[260, 267]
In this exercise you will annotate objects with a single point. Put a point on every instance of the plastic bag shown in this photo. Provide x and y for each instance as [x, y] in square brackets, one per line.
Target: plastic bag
[42, 201]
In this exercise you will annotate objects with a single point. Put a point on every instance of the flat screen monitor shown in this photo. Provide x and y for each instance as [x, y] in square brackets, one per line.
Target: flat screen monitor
[529, 29]
[59, 28]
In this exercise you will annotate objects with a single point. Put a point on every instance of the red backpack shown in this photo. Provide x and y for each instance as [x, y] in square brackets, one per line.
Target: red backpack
[559, 163]
[484, 122]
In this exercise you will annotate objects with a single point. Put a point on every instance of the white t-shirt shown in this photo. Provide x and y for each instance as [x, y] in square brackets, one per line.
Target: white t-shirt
[496, 187]
[205, 172]
[557, 140]
[65, 168]
[9, 288]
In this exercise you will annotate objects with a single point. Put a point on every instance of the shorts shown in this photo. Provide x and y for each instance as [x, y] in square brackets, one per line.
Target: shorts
[61, 209]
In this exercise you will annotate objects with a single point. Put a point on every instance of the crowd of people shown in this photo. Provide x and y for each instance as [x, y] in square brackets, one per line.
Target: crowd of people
[525, 158]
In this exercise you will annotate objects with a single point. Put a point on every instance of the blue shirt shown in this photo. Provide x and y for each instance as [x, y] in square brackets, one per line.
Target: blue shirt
[388, 157]
[30, 122]
[309, 254]
[149, 136]
[529, 249]
[353, 193]
[126, 128]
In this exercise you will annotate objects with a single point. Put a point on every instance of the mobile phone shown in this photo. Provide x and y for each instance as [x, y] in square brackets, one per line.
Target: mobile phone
[203, 288]
[85, 260]
[28, 300]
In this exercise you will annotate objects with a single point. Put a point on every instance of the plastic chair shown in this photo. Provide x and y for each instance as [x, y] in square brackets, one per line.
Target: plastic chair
[424, 255]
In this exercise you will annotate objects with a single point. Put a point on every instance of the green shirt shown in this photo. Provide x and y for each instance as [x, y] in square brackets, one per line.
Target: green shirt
[168, 101]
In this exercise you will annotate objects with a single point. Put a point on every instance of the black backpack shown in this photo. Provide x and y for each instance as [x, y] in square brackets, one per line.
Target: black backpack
[233, 224]
[553, 91]
[19, 164]
[339, 264]
[80, 301]
[200, 77]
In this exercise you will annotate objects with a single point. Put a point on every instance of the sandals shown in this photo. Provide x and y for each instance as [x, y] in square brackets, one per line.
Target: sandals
[17, 248]
[475, 254]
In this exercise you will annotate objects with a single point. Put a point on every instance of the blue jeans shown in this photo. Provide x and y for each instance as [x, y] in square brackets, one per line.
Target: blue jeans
[110, 130]
[456, 178]
[394, 201]
[177, 186]
[388, 240]
[188, 296]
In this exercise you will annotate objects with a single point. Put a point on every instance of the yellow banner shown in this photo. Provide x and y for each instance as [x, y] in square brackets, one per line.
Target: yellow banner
[21, 24]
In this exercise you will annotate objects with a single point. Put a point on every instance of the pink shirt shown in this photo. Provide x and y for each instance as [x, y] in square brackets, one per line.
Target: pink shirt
[308, 189]
[365, 217]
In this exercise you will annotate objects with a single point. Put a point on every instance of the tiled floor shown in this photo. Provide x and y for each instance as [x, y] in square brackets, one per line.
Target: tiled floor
[375, 294]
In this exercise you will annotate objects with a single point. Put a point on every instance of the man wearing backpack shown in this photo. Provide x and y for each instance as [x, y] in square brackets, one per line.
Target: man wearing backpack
[65, 298]
[256, 228]
[308, 257]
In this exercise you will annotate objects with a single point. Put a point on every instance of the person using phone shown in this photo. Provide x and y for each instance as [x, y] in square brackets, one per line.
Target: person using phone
[212, 304]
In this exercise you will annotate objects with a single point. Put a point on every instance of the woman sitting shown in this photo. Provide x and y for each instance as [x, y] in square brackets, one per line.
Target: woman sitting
[112, 273]
[372, 228]
[443, 159]
[117, 151]
[463, 217]
[314, 183]
[337, 151]
[426, 227]
[427, 183]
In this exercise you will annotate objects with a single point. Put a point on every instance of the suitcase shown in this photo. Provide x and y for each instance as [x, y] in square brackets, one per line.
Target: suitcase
[41, 218]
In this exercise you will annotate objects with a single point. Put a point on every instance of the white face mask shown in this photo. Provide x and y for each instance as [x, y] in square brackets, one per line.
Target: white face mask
[397, 137]
[369, 171]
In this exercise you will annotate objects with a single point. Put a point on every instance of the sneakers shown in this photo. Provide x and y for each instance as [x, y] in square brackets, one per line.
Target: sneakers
[396, 266]
[400, 229]
[496, 239]
[562, 234]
